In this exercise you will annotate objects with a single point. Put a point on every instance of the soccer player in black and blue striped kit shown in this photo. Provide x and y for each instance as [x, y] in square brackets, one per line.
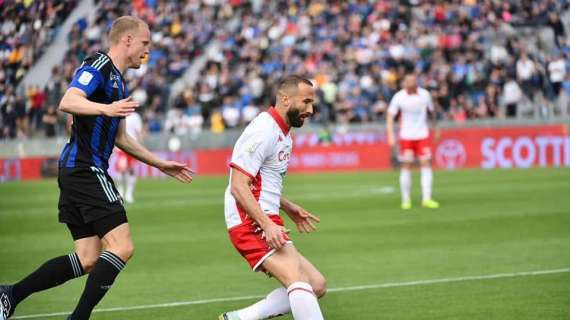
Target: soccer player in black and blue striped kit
[89, 203]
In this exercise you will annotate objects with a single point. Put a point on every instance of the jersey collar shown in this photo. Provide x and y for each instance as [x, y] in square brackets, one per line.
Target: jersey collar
[277, 117]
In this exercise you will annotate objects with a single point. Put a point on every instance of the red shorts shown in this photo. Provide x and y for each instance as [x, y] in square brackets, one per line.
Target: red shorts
[246, 238]
[124, 160]
[415, 148]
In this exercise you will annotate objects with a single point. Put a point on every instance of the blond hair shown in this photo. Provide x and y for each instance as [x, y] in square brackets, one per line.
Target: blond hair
[122, 25]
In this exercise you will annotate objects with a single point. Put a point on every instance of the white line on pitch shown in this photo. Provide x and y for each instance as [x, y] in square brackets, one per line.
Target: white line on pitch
[342, 289]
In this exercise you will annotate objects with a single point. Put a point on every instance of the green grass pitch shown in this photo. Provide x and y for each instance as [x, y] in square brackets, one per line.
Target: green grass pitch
[491, 222]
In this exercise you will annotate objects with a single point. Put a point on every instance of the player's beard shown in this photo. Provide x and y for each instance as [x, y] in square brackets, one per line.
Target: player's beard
[294, 117]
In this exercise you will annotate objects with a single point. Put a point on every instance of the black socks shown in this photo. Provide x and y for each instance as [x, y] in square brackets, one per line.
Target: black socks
[100, 280]
[51, 274]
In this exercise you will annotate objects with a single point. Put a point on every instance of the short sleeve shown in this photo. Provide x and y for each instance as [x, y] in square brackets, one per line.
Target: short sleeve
[394, 106]
[251, 149]
[88, 79]
[429, 101]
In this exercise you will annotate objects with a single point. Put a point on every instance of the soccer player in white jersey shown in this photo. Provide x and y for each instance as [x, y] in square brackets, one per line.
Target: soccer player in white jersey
[413, 103]
[127, 178]
[253, 200]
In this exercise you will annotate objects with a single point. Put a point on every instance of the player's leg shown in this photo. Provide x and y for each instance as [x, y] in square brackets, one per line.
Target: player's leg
[287, 266]
[56, 271]
[316, 278]
[406, 161]
[130, 182]
[277, 302]
[116, 238]
[426, 173]
[121, 185]
[121, 171]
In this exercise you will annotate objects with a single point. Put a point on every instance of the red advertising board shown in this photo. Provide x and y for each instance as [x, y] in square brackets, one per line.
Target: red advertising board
[509, 147]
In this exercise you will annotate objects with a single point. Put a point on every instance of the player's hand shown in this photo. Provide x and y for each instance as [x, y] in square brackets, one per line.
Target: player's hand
[121, 108]
[178, 170]
[305, 221]
[274, 235]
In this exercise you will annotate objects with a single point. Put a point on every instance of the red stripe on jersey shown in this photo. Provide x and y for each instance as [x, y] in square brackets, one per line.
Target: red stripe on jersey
[256, 191]
[242, 170]
[277, 117]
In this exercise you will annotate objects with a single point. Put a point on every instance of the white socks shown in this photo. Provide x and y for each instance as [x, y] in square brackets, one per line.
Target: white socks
[299, 299]
[405, 184]
[304, 304]
[426, 181]
[275, 304]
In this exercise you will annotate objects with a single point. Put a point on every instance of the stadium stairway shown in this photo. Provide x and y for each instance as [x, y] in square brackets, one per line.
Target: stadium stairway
[213, 51]
[40, 72]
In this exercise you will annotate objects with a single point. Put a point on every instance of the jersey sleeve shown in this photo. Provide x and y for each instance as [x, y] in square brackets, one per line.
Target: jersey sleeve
[88, 79]
[394, 106]
[429, 101]
[250, 151]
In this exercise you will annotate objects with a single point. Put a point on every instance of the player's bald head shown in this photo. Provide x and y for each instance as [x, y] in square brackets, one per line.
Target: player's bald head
[124, 25]
[290, 85]
[296, 95]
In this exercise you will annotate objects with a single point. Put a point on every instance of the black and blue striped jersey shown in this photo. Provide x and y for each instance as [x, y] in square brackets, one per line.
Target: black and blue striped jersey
[93, 137]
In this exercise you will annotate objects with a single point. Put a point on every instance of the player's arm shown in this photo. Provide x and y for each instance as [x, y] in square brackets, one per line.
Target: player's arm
[433, 118]
[304, 220]
[390, 129]
[84, 83]
[390, 115]
[75, 102]
[131, 146]
[241, 191]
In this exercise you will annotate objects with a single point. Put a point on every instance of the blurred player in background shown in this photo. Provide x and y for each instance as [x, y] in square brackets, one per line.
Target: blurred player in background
[252, 202]
[127, 178]
[88, 204]
[413, 103]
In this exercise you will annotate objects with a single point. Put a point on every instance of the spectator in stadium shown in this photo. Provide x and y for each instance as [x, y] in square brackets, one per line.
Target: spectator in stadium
[26, 29]
[557, 27]
[512, 95]
[556, 73]
[49, 120]
[457, 48]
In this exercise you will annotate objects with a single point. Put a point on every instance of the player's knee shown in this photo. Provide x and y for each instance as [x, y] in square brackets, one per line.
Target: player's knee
[88, 260]
[124, 251]
[128, 251]
[425, 163]
[406, 165]
[320, 287]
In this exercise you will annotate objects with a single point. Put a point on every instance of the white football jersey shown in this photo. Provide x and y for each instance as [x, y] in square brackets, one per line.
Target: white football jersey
[134, 125]
[414, 109]
[262, 152]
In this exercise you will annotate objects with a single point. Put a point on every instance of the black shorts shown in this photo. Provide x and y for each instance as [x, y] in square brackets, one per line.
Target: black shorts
[89, 203]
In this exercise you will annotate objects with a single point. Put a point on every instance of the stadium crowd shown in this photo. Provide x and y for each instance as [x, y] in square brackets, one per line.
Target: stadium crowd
[479, 59]
[471, 55]
[26, 29]
[179, 32]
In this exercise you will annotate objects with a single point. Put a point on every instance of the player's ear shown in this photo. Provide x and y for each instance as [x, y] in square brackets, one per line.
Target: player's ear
[285, 100]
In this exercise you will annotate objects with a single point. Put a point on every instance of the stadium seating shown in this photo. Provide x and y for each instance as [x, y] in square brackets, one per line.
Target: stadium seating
[478, 59]
[465, 52]
[26, 29]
